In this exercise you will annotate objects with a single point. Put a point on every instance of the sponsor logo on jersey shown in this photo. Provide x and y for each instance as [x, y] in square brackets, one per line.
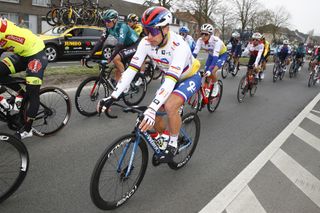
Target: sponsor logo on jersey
[35, 65]
[176, 43]
[161, 61]
[176, 68]
[72, 43]
[2, 42]
[17, 39]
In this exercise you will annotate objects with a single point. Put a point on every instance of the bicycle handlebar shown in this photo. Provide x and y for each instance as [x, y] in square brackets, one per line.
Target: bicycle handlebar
[98, 61]
[126, 109]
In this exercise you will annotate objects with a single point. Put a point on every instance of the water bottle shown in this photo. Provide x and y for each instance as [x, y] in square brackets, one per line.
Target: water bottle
[163, 139]
[207, 92]
[5, 104]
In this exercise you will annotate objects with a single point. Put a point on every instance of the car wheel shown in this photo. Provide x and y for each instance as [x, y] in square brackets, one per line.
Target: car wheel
[107, 52]
[51, 52]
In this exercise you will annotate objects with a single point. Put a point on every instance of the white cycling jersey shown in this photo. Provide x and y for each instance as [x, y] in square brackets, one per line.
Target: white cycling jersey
[214, 46]
[174, 59]
[202, 45]
[255, 51]
[189, 40]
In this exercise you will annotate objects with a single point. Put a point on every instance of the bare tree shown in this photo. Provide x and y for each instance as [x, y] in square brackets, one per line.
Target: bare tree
[279, 19]
[261, 18]
[164, 3]
[245, 10]
[225, 21]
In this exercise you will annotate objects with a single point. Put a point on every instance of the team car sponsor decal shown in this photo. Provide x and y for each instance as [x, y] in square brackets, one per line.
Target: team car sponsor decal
[2, 42]
[72, 43]
[4, 25]
[88, 43]
[35, 65]
[14, 38]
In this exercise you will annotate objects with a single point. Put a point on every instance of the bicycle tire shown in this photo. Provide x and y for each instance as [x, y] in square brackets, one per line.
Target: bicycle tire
[136, 93]
[253, 90]
[211, 106]
[97, 193]
[50, 18]
[225, 69]
[180, 160]
[89, 108]
[242, 89]
[235, 70]
[157, 73]
[282, 75]
[48, 110]
[11, 147]
[291, 70]
[195, 101]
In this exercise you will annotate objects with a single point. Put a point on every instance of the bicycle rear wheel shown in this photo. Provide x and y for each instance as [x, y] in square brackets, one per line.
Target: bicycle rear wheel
[89, 92]
[195, 101]
[137, 91]
[187, 141]
[14, 164]
[242, 89]
[110, 187]
[214, 101]
[54, 111]
[157, 73]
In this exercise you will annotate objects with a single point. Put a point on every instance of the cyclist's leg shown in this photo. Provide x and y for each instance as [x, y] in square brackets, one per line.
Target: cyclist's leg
[123, 57]
[34, 75]
[221, 60]
[11, 65]
[119, 66]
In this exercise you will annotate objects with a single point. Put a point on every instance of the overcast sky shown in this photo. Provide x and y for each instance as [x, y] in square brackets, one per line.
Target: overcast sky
[305, 14]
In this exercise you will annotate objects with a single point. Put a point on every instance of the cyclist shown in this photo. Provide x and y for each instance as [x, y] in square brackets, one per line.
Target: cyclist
[217, 54]
[235, 49]
[255, 49]
[284, 51]
[127, 38]
[265, 55]
[29, 55]
[184, 32]
[132, 20]
[299, 54]
[181, 77]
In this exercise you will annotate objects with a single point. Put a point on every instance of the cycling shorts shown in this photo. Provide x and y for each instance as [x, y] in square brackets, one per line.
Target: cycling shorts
[186, 88]
[33, 65]
[236, 50]
[127, 53]
[222, 59]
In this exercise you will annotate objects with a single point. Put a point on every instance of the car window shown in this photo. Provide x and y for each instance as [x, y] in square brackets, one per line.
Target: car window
[92, 32]
[56, 31]
[77, 32]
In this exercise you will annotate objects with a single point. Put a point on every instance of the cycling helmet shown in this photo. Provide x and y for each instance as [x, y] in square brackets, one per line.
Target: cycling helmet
[110, 15]
[132, 17]
[235, 35]
[207, 28]
[256, 36]
[285, 41]
[156, 16]
[184, 29]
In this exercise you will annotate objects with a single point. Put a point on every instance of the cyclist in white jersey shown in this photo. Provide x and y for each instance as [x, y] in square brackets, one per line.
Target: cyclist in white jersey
[217, 54]
[181, 77]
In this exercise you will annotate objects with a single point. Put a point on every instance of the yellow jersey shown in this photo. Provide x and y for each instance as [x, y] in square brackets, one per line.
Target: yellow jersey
[138, 29]
[18, 40]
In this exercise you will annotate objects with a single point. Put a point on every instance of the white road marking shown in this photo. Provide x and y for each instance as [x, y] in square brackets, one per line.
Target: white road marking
[229, 193]
[245, 202]
[298, 175]
[308, 138]
[314, 118]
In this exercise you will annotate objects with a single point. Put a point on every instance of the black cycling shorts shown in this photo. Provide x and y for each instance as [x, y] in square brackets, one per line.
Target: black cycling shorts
[127, 53]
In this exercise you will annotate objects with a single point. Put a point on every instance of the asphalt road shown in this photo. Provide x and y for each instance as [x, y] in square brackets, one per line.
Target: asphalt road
[61, 166]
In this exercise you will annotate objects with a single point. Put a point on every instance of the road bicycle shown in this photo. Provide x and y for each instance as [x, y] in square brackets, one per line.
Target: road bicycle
[248, 83]
[229, 67]
[204, 96]
[122, 166]
[14, 164]
[279, 70]
[53, 114]
[314, 76]
[294, 67]
[94, 88]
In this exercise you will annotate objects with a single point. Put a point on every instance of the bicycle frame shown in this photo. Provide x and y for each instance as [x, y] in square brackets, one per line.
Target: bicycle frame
[150, 141]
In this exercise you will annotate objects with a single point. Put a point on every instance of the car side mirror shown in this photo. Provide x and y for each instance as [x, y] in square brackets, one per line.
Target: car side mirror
[68, 35]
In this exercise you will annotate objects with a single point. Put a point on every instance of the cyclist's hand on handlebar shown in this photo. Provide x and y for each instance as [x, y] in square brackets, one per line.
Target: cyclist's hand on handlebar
[85, 59]
[104, 104]
[207, 73]
[148, 120]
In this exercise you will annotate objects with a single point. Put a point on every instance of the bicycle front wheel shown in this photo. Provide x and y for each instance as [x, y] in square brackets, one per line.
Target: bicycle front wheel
[112, 182]
[214, 101]
[242, 89]
[89, 92]
[14, 164]
[137, 91]
[187, 141]
[54, 111]
[225, 69]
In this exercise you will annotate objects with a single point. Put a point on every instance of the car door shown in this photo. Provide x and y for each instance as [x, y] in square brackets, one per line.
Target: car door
[74, 42]
[90, 38]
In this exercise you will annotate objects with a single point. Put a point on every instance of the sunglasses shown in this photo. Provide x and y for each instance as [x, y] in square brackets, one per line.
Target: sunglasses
[154, 31]
[108, 21]
[204, 34]
[255, 39]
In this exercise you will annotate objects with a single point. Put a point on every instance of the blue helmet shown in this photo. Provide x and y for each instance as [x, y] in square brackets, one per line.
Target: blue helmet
[184, 29]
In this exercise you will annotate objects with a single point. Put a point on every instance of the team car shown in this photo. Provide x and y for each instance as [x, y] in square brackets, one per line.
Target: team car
[65, 41]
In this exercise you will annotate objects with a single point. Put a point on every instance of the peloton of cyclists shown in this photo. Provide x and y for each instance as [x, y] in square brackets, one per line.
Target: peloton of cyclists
[235, 49]
[181, 77]
[283, 53]
[184, 32]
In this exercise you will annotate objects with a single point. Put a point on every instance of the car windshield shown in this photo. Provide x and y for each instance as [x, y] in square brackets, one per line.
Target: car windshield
[56, 31]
